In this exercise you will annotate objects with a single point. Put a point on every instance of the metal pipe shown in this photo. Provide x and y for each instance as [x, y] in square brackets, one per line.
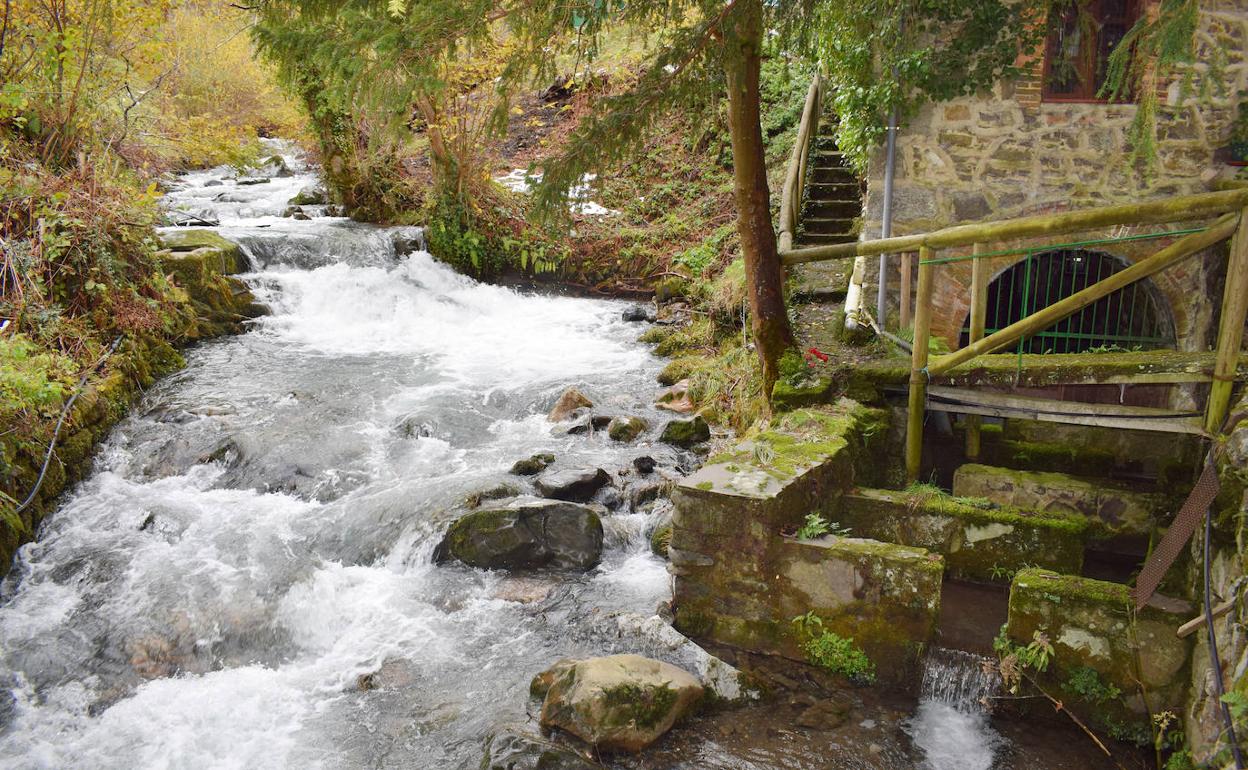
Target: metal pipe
[886, 224]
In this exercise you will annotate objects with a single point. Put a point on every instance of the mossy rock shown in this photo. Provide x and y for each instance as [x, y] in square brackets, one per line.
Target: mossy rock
[656, 334]
[670, 288]
[185, 239]
[660, 540]
[528, 534]
[679, 369]
[618, 702]
[533, 465]
[686, 433]
[625, 429]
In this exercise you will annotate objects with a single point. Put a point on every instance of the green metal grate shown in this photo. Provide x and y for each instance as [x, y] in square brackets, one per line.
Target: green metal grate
[1133, 318]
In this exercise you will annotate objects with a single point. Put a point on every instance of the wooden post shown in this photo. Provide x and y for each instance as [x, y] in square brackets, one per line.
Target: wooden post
[918, 366]
[904, 290]
[979, 314]
[1231, 329]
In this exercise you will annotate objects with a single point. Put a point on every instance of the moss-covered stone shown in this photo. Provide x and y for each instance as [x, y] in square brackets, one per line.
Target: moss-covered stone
[660, 539]
[686, 433]
[532, 465]
[1112, 510]
[739, 581]
[527, 534]
[626, 428]
[978, 541]
[1092, 625]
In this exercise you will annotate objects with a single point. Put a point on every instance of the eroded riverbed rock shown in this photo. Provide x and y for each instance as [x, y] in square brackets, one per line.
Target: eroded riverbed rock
[626, 428]
[676, 398]
[533, 465]
[527, 534]
[686, 433]
[618, 702]
[577, 485]
[518, 750]
[571, 400]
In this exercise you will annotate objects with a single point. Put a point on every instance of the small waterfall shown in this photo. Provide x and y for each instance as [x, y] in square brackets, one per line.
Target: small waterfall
[960, 679]
[951, 724]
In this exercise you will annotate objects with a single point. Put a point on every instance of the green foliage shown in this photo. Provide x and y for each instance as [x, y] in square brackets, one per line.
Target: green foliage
[1015, 660]
[1239, 129]
[816, 526]
[30, 378]
[833, 652]
[1086, 682]
[487, 243]
[880, 56]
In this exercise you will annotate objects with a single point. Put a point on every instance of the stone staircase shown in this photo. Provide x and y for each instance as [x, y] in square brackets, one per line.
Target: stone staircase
[833, 201]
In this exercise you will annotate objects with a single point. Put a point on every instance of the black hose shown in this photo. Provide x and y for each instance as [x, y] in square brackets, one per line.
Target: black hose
[47, 457]
[1214, 660]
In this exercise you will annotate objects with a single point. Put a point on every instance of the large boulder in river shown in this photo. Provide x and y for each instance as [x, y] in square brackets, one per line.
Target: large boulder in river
[571, 400]
[309, 196]
[533, 465]
[618, 702]
[576, 485]
[519, 750]
[686, 433]
[527, 534]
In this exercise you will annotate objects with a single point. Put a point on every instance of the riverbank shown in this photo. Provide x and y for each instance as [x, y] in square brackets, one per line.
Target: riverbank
[209, 302]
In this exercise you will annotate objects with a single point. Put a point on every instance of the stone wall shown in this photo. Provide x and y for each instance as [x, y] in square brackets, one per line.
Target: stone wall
[1008, 153]
[741, 578]
[1204, 723]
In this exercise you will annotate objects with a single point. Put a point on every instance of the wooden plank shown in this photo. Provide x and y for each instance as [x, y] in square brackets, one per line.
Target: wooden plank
[1190, 626]
[1046, 317]
[918, 367]
[795, 176]
[1164, 210]
[1006, 405]
[979, 316]
[1231, 329]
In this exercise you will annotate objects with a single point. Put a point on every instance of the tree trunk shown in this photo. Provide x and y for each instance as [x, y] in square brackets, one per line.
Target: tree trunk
[743, 36]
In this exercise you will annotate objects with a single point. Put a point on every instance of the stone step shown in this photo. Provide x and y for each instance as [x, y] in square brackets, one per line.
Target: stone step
[1111, 509]
[979, 539]
[824, 239]
[835, 174]
[833, 209]
[836, 226]
[820, 281]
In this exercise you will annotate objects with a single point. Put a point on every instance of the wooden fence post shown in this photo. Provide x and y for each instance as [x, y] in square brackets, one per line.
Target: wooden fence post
[979, 314]
[918, 366]
[903, 290]
[1231, 329]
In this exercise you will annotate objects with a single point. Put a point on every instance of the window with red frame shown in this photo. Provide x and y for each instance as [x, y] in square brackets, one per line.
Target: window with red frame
[1081, 38]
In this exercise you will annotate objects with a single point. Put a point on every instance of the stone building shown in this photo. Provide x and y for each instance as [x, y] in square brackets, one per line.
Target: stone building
[1044, 142]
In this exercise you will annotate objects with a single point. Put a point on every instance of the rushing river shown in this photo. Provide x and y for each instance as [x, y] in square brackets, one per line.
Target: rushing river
[245, 579]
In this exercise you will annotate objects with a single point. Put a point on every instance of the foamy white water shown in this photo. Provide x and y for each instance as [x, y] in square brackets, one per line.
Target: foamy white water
[258, 534]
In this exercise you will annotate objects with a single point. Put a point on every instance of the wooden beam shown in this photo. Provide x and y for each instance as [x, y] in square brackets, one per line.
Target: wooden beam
[1218, 611]
[979, 315]
[1231, 329]
[795, 176]
[918, 366]
[1008, 405]
[1046, 317]
[907, 266]
[1177, 209]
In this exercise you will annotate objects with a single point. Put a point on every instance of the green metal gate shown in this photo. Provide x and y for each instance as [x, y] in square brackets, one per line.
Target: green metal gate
[1133, 318]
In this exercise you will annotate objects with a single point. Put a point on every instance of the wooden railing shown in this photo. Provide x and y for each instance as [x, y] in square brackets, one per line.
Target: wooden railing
[795, 177]
[1230, 207]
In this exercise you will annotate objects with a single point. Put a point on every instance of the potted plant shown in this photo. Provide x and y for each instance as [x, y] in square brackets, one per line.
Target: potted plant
[1239, 135]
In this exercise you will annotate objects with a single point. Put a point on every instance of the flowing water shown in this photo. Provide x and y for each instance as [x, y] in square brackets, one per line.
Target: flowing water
[245, 579]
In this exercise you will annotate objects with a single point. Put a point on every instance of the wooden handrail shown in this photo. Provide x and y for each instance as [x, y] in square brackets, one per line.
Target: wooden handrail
[1159, 211]
[795, 175]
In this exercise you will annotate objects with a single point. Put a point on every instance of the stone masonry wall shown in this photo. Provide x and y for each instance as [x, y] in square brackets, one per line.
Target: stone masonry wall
[1007, 153]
